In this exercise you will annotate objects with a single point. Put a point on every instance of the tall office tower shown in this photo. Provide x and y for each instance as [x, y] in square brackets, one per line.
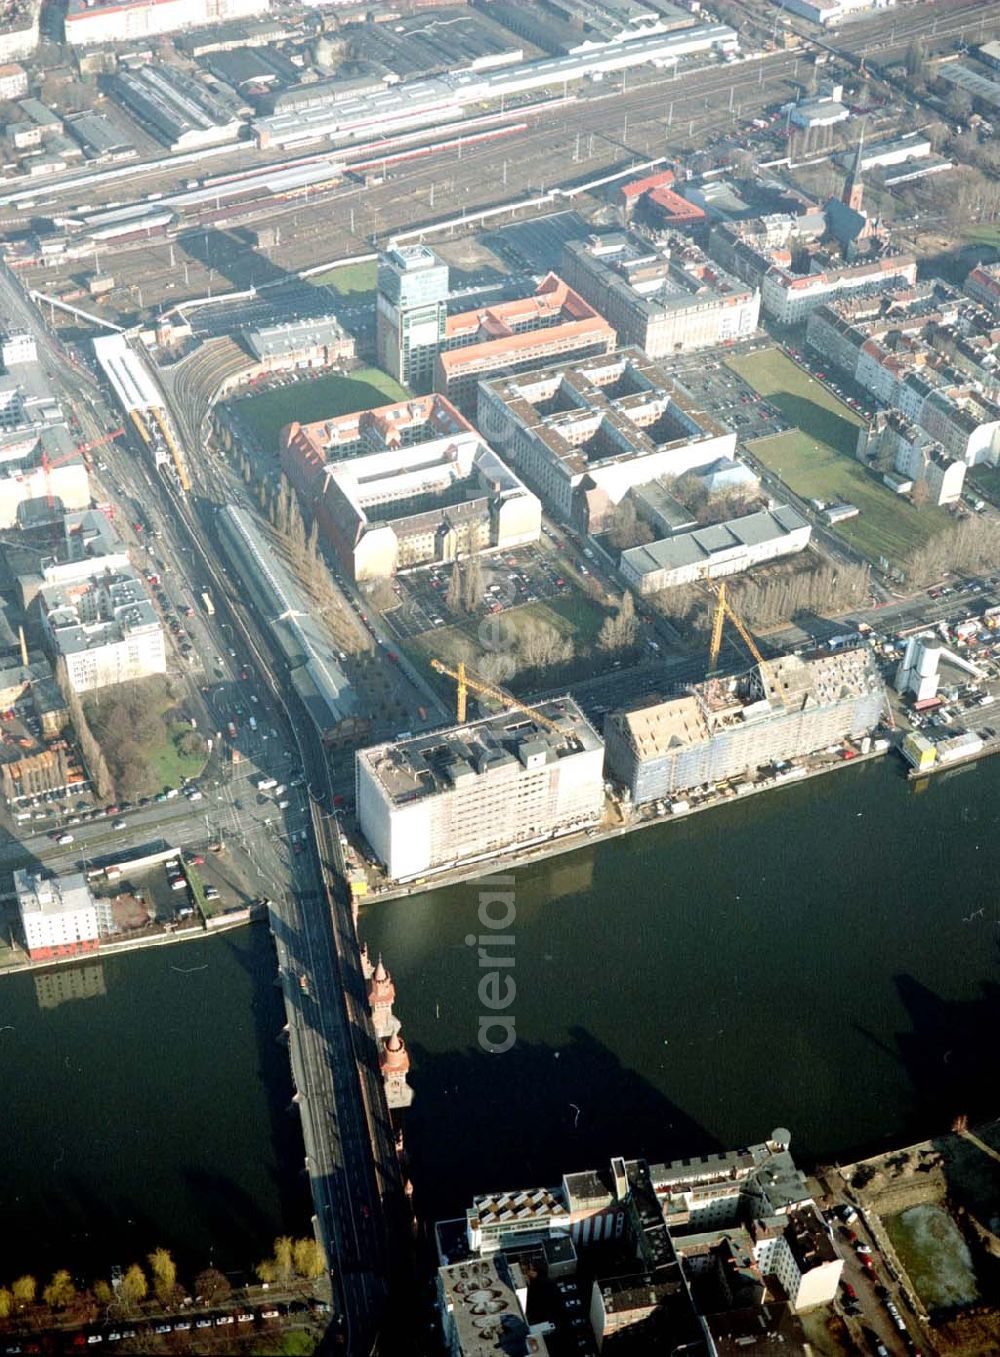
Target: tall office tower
[410, 313]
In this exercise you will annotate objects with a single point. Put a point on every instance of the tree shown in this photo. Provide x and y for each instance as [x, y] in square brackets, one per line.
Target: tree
[134, 1287]
[163, 1270]
[280, 1267]
[627, 529]
[308, 1257]
[60, 1291]
[914, 59]
[6, 1303]
[102, 1292]
[24, 1290]
[618, 631]
[453, 594]
[212, 1286]
[920, 494]
[283, 1258]
[473, 584]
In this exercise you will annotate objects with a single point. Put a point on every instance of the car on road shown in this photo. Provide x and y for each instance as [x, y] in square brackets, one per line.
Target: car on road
[119, 824]
[64, 839]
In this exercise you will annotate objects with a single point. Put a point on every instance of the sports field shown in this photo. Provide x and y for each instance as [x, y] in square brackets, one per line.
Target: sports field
[317, 398]
[816, 460]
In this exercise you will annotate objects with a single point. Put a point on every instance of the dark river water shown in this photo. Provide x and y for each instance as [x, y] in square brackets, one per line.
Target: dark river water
[143, 1104]
[823, 957]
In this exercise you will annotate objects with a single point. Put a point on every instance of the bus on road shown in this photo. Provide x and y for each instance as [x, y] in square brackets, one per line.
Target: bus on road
[207, 604]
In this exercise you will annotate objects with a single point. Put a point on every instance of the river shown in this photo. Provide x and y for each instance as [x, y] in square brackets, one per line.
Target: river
[144, 1101]
[823, 957]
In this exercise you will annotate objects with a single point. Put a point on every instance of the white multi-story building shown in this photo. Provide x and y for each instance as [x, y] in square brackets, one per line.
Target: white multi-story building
[455, 795]
[18, 347]
[111, 21]
[58, 915]
[105, 629]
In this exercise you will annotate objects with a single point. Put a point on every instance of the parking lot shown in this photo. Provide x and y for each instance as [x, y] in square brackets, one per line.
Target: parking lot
[536, 246]
[529, 574]
[723, 394]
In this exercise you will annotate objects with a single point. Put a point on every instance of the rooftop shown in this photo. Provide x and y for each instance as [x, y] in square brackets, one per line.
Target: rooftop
[440, 761]
[705, 544]
[51, 897]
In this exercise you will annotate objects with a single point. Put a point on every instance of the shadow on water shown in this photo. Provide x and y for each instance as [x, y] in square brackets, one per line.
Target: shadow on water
[554, 1112]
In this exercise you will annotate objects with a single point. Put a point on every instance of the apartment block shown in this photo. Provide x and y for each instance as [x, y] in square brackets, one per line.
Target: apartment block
[105, 629]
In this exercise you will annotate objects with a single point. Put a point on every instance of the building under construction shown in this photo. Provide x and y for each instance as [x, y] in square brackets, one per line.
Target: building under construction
[725, 727]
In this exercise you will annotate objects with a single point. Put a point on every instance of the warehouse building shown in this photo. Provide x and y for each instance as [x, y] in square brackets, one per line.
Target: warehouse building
[59, 916]
[554, 323]
[441, 99]
[475, 790]
[783, 709]
[584, 434]
[433, 501]
[316, 342]
[176, 109]
[666, 299]
[710, 553]
[572, 26]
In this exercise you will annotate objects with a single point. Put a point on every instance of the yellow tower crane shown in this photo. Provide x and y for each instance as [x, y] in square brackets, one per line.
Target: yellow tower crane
[723, 610]
[468, 682]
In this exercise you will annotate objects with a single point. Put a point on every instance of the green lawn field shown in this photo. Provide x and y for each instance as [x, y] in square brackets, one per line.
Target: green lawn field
[816, 460]
[319, 398]
[803, 401]
[348, 279]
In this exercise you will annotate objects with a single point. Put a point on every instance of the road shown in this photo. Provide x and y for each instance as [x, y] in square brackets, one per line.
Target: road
[310, 937]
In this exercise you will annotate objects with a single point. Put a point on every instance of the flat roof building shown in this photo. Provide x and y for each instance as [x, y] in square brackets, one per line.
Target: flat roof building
[473, 791]
[715, 551]
[669, 298]
[783, 709]
[553, 323]
[58, 915]
[410, 313]
[316, 342]
[584, 433]
[105, 628]
[115, 21]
